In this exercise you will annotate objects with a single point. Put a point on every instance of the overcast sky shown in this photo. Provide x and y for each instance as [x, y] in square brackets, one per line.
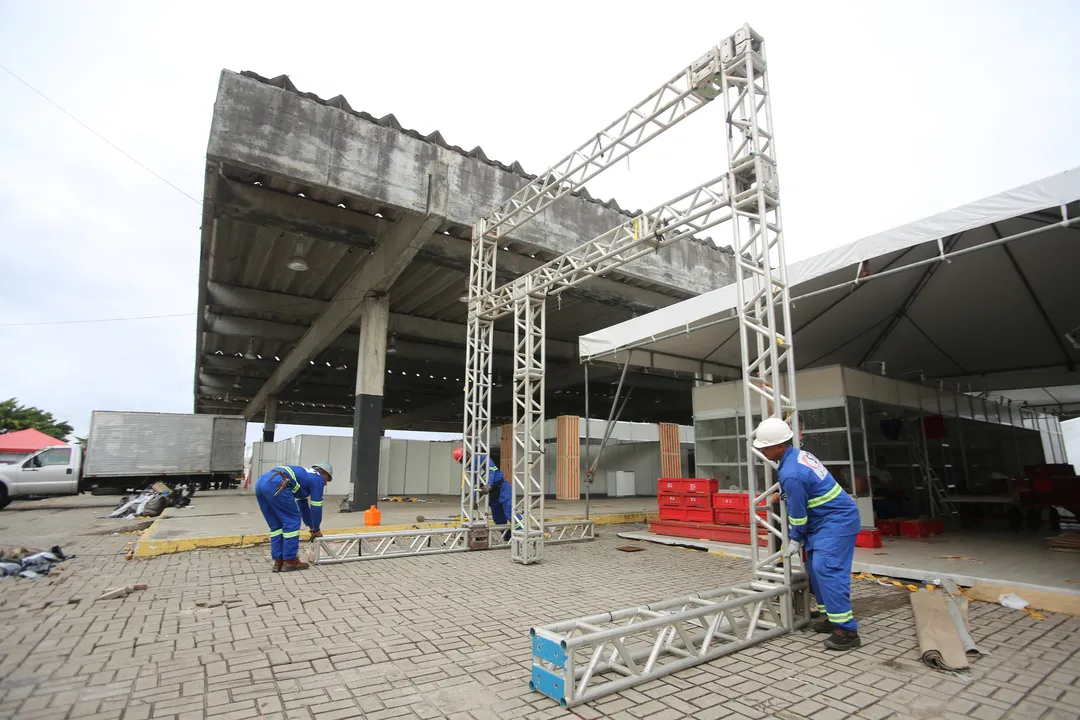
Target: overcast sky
[883, 115]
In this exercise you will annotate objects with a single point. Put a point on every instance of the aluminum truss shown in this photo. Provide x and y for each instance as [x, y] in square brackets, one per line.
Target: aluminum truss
[331, 549]
[576, 661]
[761, 285]
[677, 99]
[527, 541]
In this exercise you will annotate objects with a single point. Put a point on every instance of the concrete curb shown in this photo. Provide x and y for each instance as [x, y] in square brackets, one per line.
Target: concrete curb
[147, 547]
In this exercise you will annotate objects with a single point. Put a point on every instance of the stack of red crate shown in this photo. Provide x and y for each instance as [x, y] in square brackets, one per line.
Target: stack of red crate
[692, 508]
[686, 499]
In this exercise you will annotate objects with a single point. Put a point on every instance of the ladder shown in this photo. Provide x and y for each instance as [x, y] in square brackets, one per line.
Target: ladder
[939, 505]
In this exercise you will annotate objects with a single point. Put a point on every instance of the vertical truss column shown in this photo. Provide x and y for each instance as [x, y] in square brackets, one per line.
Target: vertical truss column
[478, 349]
[527, 537]
[768, 368]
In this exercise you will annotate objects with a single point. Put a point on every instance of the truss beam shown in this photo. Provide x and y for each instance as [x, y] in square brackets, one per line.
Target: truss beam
[677, 99]
[331, 549]
[687, 215]
[527, 539]
[577, 661]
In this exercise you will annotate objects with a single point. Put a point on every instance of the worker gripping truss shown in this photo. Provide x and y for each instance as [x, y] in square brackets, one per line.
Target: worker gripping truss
[577, 661]
[678, 98]
[331, 549]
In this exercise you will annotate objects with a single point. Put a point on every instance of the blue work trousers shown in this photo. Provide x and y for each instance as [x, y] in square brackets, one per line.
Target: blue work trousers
[829, 566]
[500, 514]
[282, 515]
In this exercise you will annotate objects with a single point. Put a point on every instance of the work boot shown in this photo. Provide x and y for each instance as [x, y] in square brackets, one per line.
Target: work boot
[277, 565]
[822, 626]
[842, 639]
[294, 564]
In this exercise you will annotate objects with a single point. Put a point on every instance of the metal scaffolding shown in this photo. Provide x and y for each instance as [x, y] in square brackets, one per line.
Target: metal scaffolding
[748, 195]
[695, 211]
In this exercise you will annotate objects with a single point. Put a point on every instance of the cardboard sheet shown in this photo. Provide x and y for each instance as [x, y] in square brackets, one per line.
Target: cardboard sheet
[939, 641]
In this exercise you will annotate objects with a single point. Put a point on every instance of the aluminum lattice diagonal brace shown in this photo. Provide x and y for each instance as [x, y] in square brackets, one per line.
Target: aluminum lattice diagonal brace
[527, 537]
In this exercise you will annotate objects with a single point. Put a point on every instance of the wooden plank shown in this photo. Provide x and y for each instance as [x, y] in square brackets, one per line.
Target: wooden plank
[670, 451]
[568, 448]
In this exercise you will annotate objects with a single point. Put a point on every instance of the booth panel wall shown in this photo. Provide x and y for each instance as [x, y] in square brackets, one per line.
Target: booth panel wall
[395, 484]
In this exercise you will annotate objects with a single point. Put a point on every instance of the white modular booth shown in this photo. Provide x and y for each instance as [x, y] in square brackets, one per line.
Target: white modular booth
[862, 426]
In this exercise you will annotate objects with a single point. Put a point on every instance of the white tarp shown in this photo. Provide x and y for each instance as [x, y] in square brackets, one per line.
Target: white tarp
[993, 318]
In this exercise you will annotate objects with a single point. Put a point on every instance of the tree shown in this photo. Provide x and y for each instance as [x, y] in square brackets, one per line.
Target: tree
[14, 416]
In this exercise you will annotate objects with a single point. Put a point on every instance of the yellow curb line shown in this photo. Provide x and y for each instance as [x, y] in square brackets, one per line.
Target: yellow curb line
[147, 547]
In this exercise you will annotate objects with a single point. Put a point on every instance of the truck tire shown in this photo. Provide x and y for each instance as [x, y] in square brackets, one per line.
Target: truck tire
[4, 499]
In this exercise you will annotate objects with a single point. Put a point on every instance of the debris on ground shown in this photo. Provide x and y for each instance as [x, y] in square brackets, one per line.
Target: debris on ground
[26, 563]
[152, 501]
[958, 557]
[630, 548]
[396, 498]
[113, 593]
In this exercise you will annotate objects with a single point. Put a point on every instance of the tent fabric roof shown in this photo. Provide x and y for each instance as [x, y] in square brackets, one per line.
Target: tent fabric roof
[26, 441]
[993, 315]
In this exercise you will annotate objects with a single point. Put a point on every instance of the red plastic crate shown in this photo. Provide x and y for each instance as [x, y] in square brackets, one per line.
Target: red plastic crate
[1042, 484]
[699, 486]
[698, 514]
[868, 539]
[888, 527]
[672, 513]
[740, 518]
[732, 501]
[697, 501]
[937, 527]
[668, 500]
[670, 485]
[700, 531]
[915, 528]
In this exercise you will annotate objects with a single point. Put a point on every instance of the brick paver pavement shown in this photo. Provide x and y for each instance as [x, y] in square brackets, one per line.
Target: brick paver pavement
[217, 635]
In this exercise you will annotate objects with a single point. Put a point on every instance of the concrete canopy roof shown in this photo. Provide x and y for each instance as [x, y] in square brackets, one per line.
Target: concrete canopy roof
[994, 316]
[288, 172]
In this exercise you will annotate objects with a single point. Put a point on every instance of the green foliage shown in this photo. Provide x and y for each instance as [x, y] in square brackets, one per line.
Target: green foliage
[14, 416]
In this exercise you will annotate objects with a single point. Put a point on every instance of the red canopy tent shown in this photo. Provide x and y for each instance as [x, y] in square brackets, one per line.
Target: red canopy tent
[26, 441]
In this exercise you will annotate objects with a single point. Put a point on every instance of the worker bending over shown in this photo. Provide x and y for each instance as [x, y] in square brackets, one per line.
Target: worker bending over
[287, 495]
[495, 486]
[824, 521]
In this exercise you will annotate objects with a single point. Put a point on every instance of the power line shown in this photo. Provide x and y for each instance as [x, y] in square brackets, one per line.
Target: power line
[102, 137]
[100, 320]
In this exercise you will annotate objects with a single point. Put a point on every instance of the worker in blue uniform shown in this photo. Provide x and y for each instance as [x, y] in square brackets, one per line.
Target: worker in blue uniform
[824, 521]
[495, 486]
[287, 495]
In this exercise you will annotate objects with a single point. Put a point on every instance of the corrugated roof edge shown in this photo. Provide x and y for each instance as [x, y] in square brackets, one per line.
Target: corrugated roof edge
[435, 138]
[477, 153]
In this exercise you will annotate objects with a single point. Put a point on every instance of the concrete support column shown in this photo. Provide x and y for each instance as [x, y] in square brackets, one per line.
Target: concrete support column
[270, 419]
[567, 450]
[367, 416]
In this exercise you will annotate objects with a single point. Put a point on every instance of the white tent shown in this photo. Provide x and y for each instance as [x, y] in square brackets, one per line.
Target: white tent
[986, 295]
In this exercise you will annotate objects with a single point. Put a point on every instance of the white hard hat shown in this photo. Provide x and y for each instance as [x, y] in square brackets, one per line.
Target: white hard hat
[772, 431]
[325, 467]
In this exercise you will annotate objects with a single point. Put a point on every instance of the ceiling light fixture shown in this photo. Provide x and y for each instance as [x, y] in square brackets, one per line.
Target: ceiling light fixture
[391, 345]
[249, 354]
[298, 261]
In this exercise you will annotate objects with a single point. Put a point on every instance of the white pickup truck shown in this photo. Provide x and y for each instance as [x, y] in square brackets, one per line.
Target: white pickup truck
[131, 451]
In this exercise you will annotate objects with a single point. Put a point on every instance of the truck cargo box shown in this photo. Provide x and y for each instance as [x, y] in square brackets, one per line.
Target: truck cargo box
[146, 444]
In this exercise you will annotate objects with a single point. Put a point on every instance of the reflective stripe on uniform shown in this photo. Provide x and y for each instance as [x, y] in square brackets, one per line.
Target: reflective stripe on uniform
[822, 499]
[820, 607]
[841, 617]
[294, 533]
[797, 521]
[275, 533]
[316, 503]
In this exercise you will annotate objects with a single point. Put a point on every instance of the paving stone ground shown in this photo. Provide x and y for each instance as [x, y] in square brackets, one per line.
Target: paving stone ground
[217, 635]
